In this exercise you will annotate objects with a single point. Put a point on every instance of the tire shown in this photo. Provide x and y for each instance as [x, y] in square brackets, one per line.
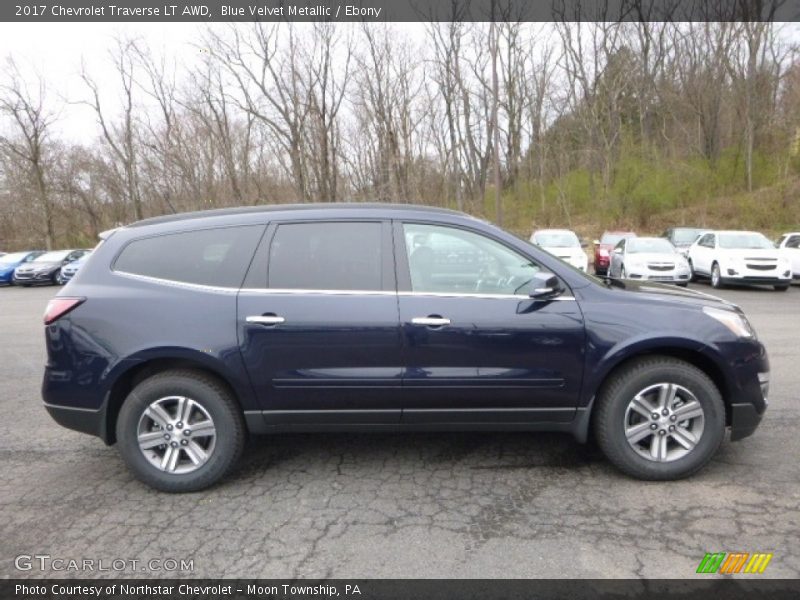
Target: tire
[716, 277]
[683, 284]
[622, 274]
[614, 411]
[692, 276]
[781, 288]
[56, 278]
[212, 401]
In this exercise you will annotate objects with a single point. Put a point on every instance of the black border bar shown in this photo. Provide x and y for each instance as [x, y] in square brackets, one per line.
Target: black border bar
[750, 587]
[396, 10]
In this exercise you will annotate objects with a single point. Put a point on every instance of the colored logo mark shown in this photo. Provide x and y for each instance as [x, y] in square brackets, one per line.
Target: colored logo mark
[734, 562]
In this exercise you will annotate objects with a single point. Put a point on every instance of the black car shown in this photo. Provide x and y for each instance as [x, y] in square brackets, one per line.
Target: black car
[683, 237]
[183, 333]
[45, 267]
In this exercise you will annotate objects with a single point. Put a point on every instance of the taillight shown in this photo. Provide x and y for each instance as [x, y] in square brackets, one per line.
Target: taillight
[58, 307]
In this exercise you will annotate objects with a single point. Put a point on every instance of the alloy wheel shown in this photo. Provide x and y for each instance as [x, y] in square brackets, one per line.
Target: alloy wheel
[664, 422]
[176, 434]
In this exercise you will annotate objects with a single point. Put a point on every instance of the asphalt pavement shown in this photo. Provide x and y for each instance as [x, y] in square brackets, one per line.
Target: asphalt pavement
[511, 505]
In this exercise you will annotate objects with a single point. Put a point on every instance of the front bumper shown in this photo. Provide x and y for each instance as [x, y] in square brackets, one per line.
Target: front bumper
[41, 277]
[744, 420]
[755, 280]
[660, 276]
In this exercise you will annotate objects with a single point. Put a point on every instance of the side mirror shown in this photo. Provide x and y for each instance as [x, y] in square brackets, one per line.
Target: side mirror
[543, 286]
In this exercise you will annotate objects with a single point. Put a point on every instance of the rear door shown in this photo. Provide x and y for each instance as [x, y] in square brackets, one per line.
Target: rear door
[476, 350]
[318, 324]
[702, 254]
[791, 247]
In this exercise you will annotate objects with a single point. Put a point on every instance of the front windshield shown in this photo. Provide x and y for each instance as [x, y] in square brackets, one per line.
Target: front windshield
[51, 257]
[685, 236]
[614, 238]
[655, 245]
[14, 257]
[565, 239]
[744, 241]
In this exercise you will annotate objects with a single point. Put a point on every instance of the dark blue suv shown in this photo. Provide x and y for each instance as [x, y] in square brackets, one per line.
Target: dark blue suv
[183, 333]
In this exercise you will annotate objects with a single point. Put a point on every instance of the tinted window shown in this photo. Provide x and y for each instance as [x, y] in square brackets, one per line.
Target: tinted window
[449, 260]
[794, 242]
[217, 257]
[326, 256]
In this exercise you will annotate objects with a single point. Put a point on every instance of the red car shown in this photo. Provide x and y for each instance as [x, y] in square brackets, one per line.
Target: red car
[605, 246]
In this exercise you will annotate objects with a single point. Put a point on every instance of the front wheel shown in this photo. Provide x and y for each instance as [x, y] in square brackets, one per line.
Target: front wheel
[180, 431]
[622, 274]
[781, 288]
[716, 276]
[659, 418]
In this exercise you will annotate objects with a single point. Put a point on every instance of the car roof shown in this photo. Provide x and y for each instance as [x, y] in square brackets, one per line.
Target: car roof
[733, 231]
[553, 231]
[369, 208]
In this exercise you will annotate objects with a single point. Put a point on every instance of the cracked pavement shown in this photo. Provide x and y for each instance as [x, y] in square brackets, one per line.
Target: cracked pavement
[461, 505]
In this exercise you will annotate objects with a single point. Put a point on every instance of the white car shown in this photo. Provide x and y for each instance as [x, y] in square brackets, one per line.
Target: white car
[789, 244]
[564, 244]
[649, 259]
[740, 257]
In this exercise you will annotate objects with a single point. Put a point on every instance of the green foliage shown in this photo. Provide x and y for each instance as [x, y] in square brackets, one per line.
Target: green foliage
[648, 192]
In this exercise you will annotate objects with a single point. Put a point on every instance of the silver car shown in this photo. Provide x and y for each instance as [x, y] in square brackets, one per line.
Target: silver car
[649, 259]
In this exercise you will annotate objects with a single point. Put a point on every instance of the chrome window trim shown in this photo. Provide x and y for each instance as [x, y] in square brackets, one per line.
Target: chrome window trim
[307, 292]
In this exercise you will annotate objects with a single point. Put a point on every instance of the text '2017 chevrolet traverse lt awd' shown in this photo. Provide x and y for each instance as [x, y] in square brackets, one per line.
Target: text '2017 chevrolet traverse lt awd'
[181, 334]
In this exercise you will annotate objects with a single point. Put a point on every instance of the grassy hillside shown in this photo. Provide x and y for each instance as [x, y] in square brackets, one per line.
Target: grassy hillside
[648, 195]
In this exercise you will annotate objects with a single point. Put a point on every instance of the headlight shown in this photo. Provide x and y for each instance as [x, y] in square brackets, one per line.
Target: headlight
[734, 321]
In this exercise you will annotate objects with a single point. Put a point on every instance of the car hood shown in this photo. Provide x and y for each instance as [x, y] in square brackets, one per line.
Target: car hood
[562, 252]
[668, 293]
[654, 257]
[772, 253]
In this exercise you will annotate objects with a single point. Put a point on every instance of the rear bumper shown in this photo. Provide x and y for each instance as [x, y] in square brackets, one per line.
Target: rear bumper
[85, 420]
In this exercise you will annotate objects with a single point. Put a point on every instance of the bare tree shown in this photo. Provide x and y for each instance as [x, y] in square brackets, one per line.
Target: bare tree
[120, 136]
[31, 122]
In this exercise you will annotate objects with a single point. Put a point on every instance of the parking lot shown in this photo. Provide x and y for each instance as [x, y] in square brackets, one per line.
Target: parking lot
[508, 505]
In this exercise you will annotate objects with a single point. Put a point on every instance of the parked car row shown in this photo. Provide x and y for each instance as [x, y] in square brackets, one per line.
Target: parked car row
[681, 255]
[37, 267]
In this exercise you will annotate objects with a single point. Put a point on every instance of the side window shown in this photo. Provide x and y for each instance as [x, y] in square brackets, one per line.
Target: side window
[217, 257]
[712, 240]
[706, 241]
[326, 256]
[794, 242]
[449, 260]
[621, 245]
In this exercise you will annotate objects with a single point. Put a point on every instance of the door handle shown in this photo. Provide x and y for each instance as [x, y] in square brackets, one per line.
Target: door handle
[265, 319]
[431, 321]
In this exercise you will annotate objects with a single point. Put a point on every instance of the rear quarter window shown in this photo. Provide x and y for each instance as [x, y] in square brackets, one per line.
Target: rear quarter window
[215, 257]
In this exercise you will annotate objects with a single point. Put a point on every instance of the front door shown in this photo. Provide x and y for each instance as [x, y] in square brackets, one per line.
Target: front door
[319, 333]
[477, 349]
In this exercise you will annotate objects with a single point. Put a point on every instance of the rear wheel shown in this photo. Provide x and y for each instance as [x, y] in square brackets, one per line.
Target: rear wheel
[660, 418]
[180, 431]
